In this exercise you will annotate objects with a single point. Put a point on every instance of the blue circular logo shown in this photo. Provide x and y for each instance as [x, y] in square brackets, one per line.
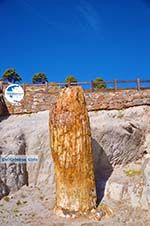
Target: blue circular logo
[14, 93]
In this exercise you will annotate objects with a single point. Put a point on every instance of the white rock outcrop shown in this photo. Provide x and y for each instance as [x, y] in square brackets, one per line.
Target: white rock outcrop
[122, 134]
[27, 135]
[118, 137]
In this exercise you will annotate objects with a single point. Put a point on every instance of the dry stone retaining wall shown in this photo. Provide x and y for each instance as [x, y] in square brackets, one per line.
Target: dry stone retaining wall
[42, 97]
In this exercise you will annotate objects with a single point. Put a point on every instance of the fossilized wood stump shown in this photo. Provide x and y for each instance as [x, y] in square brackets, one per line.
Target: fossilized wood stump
[70, 140]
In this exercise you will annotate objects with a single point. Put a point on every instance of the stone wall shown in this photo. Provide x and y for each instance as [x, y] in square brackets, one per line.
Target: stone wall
[36, 98]
[109, 100]
[42, 97]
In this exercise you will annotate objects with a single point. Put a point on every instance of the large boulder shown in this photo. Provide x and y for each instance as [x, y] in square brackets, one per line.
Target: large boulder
[27, 135]
[121, 134]
[130, 184]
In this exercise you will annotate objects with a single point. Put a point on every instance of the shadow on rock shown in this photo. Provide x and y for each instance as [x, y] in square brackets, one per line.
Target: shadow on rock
[4, 113]
[102, 169]
[2, 118]
[4, 189]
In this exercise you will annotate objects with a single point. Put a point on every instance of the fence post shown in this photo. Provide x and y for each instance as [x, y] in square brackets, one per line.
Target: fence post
[92, 85]
[23, 87]
[69, 83]
[46, 86]
[115, 85]
[138, 84]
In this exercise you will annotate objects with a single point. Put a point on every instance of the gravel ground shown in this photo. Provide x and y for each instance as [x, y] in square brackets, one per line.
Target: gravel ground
[29, 206]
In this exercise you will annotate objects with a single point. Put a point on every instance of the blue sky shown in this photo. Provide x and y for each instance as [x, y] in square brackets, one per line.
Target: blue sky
[86, 38]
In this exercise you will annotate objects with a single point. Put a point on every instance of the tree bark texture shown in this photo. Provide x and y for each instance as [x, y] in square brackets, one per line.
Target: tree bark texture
[70, 141]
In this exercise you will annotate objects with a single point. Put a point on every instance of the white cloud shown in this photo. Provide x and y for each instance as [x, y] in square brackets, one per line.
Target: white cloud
[90, 14]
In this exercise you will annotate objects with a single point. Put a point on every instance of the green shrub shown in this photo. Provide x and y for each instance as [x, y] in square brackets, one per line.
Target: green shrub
[6, 198]
[39, 78]
[99, 83]
[70, 79]
[131, 173]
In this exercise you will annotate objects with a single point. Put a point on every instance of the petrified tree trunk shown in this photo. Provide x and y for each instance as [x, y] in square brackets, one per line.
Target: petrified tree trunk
[70, 139]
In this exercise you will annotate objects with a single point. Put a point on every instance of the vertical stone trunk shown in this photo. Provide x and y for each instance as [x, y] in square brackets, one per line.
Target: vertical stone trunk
[70, 140]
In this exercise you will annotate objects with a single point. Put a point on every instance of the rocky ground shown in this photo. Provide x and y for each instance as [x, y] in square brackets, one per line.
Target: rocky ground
[30, 206]
[121, 147]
